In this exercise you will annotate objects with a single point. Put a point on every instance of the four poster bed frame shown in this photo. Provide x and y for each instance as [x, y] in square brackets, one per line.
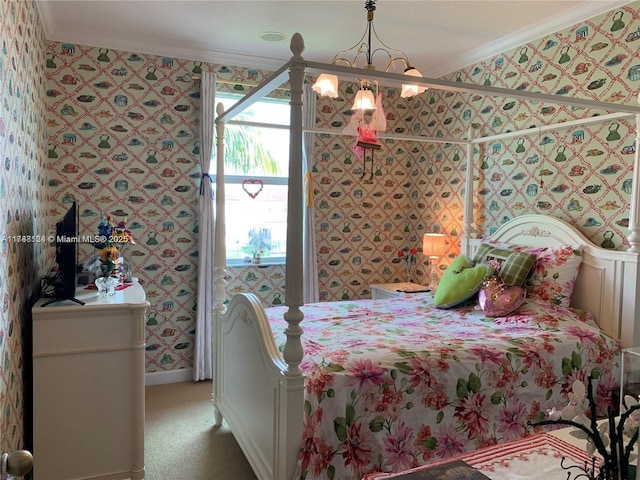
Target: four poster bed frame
[259, 390]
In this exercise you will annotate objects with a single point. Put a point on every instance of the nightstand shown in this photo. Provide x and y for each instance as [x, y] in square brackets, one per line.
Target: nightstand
[390, 290]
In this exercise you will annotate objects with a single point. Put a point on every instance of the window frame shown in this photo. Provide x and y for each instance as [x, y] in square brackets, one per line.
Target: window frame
[266, 179]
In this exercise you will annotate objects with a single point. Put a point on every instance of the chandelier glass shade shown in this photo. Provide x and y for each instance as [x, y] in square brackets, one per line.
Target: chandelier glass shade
[409, 90]
[327, 84]
[365, 99]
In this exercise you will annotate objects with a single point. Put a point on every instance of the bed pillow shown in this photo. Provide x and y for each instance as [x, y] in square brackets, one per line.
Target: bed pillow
[498, 300]
[514, 266]
[460, 281]
[487, 245]
[554, 273]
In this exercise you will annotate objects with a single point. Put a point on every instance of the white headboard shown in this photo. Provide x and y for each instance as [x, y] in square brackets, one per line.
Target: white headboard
[607, 284]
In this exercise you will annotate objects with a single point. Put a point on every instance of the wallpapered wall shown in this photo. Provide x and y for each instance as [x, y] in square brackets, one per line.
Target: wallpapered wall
[122, 140]
[23, 197]
[122, 133]
[583, 174]
[364, 212]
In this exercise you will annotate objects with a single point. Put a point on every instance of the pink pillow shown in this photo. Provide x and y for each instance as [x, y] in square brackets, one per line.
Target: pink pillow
[497, 299]
[554, 274]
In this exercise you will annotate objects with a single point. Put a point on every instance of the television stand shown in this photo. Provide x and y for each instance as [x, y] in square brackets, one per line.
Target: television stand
[59, 290]
[56, 299]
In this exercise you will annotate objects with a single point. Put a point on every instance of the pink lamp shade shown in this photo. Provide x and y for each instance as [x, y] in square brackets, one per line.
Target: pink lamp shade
[433, 245]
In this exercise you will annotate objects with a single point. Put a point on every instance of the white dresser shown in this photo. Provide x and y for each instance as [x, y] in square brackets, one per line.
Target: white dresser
[88, 386]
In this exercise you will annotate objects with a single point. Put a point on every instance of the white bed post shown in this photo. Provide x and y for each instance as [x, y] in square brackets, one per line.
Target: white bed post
[220, 251]
[634, 216]
[467, 228]
[293, 280]
[291, 404]
[632, 330]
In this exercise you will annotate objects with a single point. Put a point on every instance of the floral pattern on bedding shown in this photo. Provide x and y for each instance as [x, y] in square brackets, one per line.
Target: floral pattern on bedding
[392, 384]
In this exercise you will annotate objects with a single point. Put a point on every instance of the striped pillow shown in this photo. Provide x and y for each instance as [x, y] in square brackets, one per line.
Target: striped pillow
[513, 267]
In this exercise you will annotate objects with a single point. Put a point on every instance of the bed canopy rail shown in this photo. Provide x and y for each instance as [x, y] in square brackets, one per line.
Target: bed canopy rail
[469, 138]
[554, 127]
[454, 86]
[280, 76]
[272, 82]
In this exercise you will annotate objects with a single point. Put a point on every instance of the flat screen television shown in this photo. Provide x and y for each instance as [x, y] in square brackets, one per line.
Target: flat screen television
[64, 283]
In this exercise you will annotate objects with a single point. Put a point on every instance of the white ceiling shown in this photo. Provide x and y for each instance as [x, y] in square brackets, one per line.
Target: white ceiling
[438, 36]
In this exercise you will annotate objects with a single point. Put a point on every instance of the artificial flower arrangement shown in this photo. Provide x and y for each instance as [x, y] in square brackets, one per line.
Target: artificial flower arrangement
[257, 254]
[606, 437]
[111, 239]
[410, 260]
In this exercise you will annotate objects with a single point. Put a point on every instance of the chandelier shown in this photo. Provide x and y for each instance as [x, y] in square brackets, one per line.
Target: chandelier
[327, 84]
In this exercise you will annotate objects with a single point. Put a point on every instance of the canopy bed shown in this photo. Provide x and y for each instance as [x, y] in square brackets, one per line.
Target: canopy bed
[279, 399]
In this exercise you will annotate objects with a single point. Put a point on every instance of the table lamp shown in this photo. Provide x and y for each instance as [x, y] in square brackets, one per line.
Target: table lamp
[433, 247]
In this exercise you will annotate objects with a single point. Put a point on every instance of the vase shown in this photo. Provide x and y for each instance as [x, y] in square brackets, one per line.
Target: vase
[106, 286]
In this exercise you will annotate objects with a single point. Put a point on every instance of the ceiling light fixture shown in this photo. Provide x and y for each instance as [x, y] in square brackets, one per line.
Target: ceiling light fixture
[272, 36]
[327, 84]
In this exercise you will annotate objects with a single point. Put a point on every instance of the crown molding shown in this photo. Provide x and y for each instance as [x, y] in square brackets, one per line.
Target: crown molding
[52, 33]
[588, 9]
[162, 50]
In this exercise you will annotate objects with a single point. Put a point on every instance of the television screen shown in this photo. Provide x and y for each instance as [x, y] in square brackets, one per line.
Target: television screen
[66, 254]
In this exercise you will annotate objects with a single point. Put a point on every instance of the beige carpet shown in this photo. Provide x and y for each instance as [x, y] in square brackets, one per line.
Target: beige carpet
[181, 441]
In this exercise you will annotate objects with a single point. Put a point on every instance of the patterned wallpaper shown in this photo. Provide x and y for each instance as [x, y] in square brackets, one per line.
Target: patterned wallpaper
[122, 141]
[582, 174]
[363, 204]
[23, 198]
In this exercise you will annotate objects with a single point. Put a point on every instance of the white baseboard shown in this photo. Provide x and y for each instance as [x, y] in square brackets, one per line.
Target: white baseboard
[168, 376]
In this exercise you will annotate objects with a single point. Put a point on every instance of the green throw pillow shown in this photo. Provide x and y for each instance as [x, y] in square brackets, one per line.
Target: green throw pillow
[514, 266]
[482, 251]
[460, 282]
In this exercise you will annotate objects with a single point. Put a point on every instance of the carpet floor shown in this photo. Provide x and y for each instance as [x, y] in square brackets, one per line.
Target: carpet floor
[181, 440]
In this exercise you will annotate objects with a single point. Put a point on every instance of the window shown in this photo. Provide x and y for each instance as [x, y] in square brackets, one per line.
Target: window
[256, 177]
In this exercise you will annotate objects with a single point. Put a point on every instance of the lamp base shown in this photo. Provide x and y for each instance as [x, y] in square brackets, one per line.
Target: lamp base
[433, 279]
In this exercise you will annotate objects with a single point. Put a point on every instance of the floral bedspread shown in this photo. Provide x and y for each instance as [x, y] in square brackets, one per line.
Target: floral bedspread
[392, 384]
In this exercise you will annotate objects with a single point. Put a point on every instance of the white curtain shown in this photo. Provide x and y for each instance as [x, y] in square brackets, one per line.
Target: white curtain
[310, 289]
[203, 352]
